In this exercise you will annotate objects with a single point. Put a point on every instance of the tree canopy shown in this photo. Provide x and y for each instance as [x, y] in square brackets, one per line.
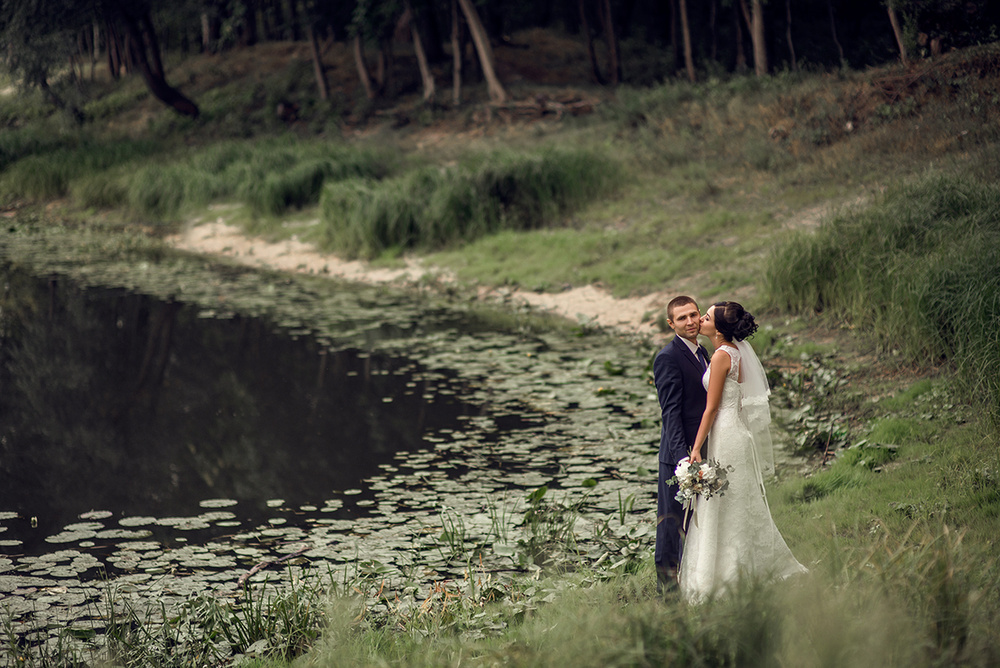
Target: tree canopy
[45, 43]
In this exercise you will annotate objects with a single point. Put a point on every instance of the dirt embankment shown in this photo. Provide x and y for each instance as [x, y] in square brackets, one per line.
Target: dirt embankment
[589, 304]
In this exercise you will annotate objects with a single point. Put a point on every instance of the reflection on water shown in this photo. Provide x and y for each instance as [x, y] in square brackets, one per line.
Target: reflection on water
[117, 402]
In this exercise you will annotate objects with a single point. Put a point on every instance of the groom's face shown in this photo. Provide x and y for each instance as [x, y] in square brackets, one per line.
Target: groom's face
[686, 321]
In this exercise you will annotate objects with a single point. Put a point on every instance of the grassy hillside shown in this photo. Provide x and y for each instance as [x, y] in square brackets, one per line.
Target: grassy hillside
[857, 211]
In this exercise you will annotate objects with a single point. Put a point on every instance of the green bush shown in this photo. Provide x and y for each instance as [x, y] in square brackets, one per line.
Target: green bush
[42, 168]
[430, 207]
[919, 269]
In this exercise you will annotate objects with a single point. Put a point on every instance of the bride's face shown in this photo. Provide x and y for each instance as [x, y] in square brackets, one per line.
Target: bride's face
[708, 323]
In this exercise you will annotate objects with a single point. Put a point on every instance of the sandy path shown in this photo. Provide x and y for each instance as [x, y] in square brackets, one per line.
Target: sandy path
[588, 303]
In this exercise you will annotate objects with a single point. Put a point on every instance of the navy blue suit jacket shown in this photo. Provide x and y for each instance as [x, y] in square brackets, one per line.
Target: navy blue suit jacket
[677, 374]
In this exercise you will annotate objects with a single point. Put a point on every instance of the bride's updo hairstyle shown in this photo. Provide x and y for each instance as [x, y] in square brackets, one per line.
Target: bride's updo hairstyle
[733, 321]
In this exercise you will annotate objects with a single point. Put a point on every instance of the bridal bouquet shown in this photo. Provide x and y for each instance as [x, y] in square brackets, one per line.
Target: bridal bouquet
[706, 478]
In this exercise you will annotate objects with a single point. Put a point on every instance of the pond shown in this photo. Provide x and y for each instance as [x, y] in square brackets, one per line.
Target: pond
[173, 428]
[127, 417]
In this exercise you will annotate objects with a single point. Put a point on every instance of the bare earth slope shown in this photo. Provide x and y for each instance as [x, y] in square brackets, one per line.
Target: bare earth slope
[588, 303]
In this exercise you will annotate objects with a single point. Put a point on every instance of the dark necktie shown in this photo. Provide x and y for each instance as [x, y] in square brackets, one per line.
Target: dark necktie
[702, 357]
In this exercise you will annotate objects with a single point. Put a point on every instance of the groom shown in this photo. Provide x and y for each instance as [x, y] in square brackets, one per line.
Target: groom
[677, 371]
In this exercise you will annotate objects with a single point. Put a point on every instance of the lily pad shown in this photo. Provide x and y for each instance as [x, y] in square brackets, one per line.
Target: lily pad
[137, 521]
[218, 503]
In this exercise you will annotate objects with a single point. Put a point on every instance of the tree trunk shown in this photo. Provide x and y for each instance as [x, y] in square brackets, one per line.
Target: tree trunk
[686, 32]
[206, 33]
[741, 56]
[114, 53]
[676, 51]
[595, 70]
[755, 21]
[897, 30]
[482, 42]
[362, 67]
[788, 34]
[151, 45]
[833, 30]
[295, 30]
[321, 85]
[614, 62]
[144, 53]
[713, 10]
[383, 66]
[250, 32]
[418, 48]
[456, 55]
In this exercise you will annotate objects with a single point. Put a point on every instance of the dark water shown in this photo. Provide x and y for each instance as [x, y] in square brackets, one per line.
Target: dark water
[131, 406]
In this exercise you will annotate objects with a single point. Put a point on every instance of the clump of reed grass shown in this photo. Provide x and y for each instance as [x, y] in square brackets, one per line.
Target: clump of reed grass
[919, 269]
[433, 206]
[270, 176]
[41, 169]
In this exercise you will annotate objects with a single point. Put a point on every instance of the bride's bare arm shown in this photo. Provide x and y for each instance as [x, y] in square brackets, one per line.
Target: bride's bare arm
[716, 379]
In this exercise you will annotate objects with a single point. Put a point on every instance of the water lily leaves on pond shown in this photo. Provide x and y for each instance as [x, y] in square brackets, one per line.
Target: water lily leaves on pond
[7, 515]
[84, 526]
[126, 561]
[67, 571]
[275, 503]
[123, 534]
[12, 583]
[183, 523]
[96, 515]
[332, 505]
[141, 546]
[137, 521]
[71, 536]
[218, 503]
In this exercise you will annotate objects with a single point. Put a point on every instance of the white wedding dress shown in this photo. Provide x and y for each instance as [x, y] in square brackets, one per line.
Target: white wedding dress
[732, 535]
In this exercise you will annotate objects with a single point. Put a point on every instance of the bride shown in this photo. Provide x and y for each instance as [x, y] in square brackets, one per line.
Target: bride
[733, 535]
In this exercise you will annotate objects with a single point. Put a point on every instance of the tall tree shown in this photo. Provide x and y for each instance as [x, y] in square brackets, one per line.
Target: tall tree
[144, 52]
[614, 58]
[833, 31]
[456, 54]
[686, 31]
[595, 70]
[482, 41]
[897, 30]
[757, 37]
[788, 34]
[418, 48]
[36, 38]
[318, 69]
[754, 16]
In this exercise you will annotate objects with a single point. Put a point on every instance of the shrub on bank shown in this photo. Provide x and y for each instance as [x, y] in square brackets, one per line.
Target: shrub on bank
[919, 269]
[432, 206]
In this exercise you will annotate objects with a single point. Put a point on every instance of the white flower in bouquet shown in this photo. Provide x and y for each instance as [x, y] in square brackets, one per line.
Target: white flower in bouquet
[706, 478]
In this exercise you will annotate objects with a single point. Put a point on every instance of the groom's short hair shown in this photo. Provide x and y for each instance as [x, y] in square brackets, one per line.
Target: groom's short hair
[680, 300]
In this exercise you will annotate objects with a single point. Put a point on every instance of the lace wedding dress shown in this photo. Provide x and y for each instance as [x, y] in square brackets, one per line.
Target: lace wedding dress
[732, 535]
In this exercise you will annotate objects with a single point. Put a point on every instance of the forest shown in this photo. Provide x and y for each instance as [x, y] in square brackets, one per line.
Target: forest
[55, 45]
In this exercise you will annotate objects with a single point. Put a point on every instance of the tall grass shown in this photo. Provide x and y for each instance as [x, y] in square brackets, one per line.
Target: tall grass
[919, 598]
[269, 176]
[919, 269]
[40, 168]
[428, 207]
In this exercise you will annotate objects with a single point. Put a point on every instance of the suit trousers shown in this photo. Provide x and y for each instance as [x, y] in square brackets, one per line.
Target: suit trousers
[669, 517]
